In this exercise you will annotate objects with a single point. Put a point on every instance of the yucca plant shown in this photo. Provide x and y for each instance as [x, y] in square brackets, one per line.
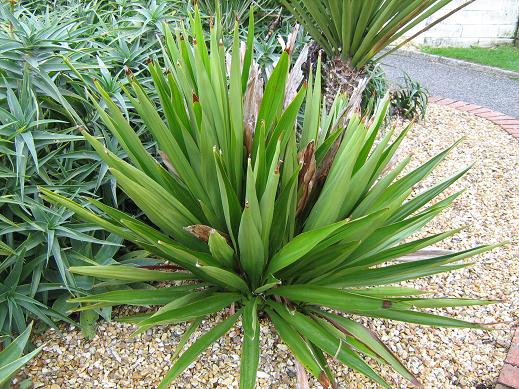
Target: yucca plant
[266, 217]
[353, 32]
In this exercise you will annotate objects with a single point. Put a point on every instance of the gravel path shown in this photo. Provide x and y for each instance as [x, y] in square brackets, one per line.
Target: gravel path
[499, 93]
[441, 358]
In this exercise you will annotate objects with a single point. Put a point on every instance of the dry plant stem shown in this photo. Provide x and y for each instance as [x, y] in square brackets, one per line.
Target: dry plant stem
[301, 376]
[340, 77]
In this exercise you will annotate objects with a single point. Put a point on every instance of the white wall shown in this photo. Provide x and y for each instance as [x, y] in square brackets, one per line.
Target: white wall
[482, 23]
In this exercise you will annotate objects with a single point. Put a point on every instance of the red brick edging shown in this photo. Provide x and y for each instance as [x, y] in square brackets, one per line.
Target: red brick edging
[509, 378]
[507, 123]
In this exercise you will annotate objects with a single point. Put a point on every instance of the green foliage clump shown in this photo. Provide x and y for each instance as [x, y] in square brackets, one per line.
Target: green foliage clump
[410, 100]
[299, 223]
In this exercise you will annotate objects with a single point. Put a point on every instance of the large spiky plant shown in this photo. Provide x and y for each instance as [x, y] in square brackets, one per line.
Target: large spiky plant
[353, 32]
[302, 224]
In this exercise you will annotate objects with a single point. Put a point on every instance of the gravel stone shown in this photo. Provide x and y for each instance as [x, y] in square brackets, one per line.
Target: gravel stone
[441, 358]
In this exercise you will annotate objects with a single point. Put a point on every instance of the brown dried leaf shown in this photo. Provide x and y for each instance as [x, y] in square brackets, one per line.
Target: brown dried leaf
[167, 162]
[247, 139]
[324, 380]
[301, 376]
[296, 76]
[424, 254]
[306, 174]
[252, 100]
[200, 231]
[203, 232]
[326, 165]
[289, 45]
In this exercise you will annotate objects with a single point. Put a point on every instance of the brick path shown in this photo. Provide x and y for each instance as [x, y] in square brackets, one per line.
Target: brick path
[509, 377]
[507, 123]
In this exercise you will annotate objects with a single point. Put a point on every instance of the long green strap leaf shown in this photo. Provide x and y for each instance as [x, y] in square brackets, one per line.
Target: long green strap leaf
[295, 343]
[326, 341]
[185, 337]
[250, 355]
[129, 273]
[197, 348]
[206, 306]
[301, 245]
[342, 300]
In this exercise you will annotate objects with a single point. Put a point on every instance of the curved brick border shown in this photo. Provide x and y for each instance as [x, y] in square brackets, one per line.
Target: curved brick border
[507, 123]
[509, 377]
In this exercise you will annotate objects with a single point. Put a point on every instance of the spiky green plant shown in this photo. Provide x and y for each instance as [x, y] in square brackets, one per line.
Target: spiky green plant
[302, 226]
[410, 100]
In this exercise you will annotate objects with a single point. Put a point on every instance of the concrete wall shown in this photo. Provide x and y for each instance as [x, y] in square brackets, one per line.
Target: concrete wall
[482, 23]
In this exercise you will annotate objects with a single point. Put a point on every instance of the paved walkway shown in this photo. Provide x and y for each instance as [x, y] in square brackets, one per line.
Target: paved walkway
[498, 92]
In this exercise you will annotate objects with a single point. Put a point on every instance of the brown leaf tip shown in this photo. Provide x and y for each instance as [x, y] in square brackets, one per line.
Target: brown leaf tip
[324, 380]
[128, 71]
[200, 231]
[278, 167]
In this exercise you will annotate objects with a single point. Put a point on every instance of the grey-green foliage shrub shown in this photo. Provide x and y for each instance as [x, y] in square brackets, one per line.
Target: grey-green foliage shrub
[39, 242]
[42, 102]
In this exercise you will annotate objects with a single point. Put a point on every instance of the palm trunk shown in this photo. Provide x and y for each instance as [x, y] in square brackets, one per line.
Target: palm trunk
[340, 77]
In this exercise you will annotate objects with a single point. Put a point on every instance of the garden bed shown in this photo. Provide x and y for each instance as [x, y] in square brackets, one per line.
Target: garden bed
[441, 358]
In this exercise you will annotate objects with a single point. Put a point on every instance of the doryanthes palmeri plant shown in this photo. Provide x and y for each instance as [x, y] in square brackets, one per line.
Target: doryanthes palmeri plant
[299, 224]
[353, 32]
